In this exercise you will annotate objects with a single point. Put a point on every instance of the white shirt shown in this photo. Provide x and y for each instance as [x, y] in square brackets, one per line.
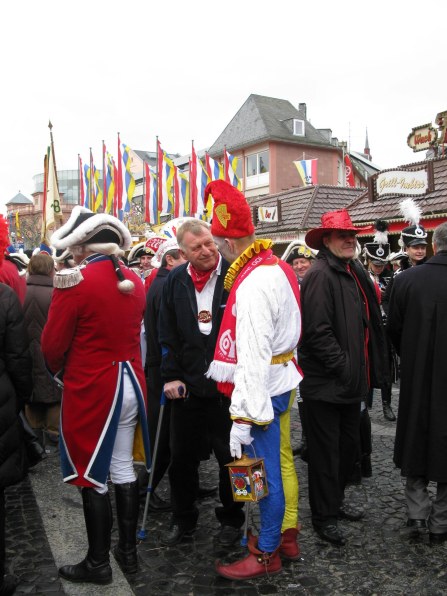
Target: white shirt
[268, 323]
[205, 297]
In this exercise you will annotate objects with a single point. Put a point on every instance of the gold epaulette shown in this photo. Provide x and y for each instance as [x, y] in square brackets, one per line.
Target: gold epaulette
[67, 278]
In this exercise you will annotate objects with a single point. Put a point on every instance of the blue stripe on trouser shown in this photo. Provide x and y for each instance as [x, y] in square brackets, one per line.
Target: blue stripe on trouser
[267, 444]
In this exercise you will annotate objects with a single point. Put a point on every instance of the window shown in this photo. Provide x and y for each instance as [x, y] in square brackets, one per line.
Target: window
[258, 163]
[298, 128]
[257, 169]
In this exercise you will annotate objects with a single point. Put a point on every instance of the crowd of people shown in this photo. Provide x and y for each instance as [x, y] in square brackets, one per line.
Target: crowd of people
[197, 346]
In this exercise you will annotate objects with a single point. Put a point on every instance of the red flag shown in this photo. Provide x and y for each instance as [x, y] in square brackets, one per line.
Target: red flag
[349, 172]
[193, 181]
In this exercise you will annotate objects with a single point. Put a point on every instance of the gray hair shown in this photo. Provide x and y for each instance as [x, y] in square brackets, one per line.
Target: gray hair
[440, 237]
[195, 226]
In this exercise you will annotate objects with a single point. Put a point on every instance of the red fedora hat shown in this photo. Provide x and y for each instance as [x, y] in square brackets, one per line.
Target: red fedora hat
[332, 220]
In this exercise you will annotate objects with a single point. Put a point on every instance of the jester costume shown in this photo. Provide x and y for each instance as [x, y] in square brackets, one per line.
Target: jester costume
[253, 364]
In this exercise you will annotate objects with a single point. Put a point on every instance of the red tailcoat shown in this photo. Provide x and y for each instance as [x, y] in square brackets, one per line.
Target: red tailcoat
[93, 334]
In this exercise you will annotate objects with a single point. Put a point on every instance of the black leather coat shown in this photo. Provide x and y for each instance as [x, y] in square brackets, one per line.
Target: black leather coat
[15, 386]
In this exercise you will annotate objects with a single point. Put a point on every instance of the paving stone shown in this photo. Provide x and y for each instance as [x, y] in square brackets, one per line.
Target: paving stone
[381, 556]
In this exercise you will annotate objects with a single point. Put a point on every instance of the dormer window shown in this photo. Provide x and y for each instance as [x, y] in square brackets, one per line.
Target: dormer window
[298, 128]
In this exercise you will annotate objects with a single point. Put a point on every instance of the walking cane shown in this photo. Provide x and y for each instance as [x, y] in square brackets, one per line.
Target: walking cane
[142, 534]
[244, 539]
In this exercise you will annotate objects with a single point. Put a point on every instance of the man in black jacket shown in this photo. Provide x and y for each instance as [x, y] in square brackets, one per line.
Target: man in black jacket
[342, 353]
[15, 389]
[191, 310]
[168, 257]
[417, 325]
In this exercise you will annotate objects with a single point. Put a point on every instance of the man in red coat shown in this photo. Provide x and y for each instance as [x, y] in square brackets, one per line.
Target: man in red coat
[92, 341]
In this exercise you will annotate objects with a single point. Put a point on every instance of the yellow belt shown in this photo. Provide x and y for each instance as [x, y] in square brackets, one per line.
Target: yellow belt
[281, 358]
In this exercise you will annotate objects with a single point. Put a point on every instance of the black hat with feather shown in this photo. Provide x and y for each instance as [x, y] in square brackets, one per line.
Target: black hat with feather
[379, 249]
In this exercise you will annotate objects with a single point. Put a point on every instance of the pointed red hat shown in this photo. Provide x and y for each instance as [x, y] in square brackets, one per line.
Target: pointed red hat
[231, 212]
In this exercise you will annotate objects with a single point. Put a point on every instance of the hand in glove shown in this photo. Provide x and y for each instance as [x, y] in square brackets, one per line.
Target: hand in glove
[239, 435]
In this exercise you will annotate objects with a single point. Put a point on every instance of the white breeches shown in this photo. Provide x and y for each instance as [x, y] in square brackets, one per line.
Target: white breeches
[121, 465]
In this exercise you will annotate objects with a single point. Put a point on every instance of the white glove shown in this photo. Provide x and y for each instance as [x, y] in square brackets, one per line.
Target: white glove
[239, 435]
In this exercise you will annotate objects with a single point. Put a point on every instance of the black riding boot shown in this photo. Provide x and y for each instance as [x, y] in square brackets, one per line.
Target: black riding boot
[386, 403]
[95, 568]
[127, 506]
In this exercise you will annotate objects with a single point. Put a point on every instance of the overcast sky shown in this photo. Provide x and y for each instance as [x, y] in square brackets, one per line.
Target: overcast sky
[181, 70]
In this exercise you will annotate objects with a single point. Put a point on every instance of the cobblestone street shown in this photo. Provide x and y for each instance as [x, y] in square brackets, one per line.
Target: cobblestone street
[45, 529]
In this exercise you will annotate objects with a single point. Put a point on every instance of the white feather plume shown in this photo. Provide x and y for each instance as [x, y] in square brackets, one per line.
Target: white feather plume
[410, 211]
[380, 237]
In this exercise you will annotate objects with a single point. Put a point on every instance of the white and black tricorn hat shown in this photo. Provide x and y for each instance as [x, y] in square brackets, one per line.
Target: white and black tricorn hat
[86, 227]
[137, 251]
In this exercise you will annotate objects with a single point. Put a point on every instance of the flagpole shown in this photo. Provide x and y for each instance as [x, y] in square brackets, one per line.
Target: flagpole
[50, 126]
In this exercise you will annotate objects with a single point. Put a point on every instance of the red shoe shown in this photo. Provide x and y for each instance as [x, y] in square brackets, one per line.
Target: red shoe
[289, 548]
[255, 564]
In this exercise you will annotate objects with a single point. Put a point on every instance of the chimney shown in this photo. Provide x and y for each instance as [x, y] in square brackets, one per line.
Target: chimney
[303, 109]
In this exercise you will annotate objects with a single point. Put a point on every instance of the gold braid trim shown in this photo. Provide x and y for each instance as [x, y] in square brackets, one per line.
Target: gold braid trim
[243, 259]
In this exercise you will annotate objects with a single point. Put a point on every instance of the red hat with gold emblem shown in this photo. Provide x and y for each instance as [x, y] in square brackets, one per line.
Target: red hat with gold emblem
[231, 212]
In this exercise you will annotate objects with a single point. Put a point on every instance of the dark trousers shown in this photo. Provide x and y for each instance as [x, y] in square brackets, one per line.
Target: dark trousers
[154, 388]
[196, 422]
[2, 533]
[332, 435]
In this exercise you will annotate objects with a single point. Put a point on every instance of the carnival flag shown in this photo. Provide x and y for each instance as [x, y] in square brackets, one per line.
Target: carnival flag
[51, 215]
[215, 169]
[104, 177]
[230, 170]
[198, 179]
[98, 190]
[128, 179]
[151, 213]
[87, 186]
[17, 223]
[91, 194]
[181, 194]
[115, 193]
[165, 183]
[307, 169]
[110, 183]
[119, 183]
[349, 172]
